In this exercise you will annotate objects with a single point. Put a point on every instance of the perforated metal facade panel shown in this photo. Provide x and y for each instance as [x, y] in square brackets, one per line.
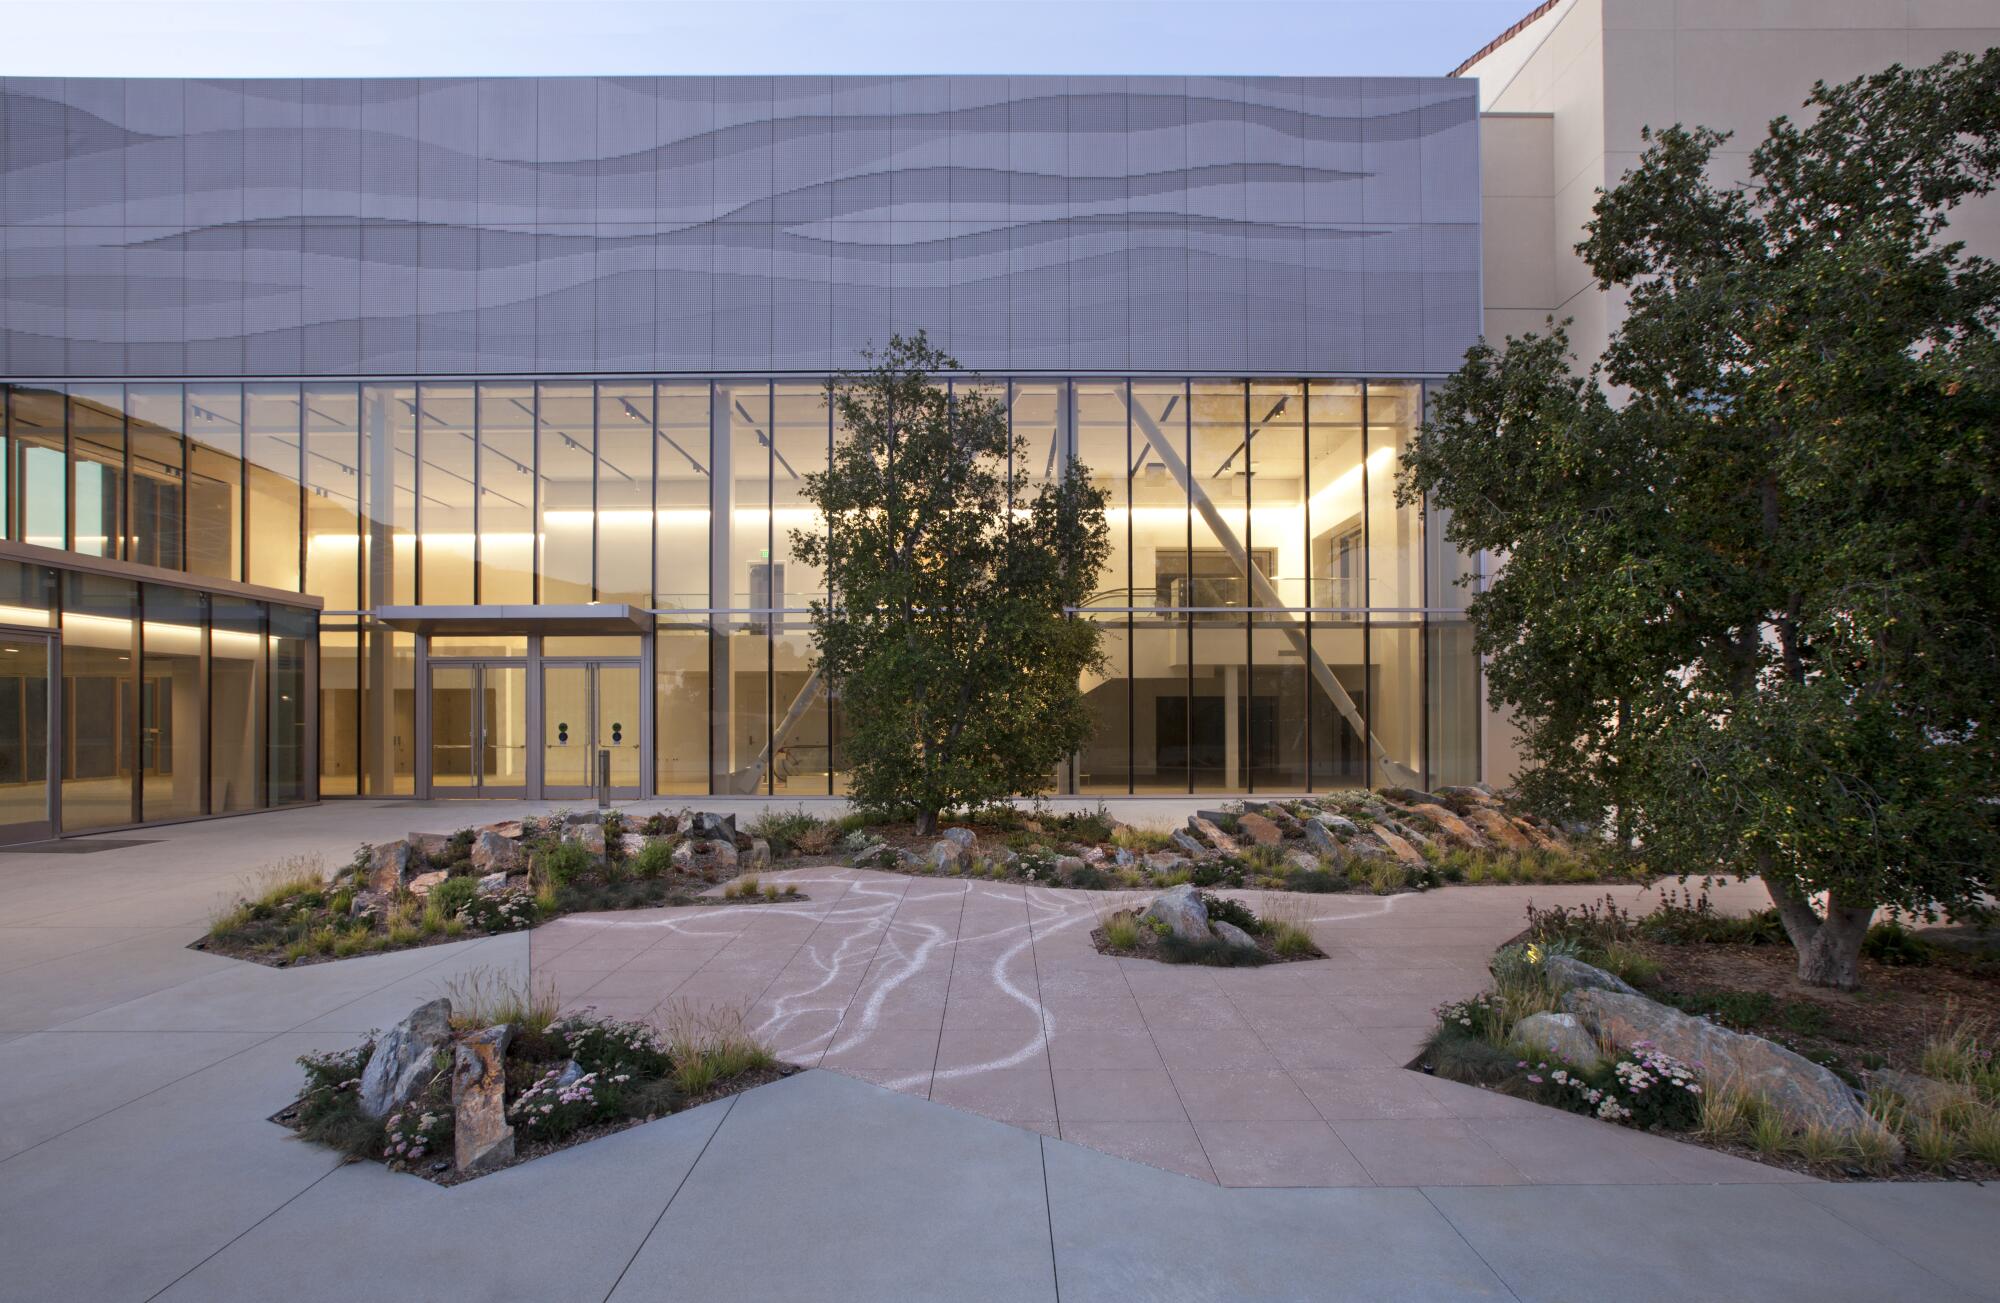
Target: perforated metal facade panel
[1273, 226]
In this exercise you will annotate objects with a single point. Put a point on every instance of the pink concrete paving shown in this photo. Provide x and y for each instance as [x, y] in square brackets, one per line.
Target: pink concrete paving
[989, 997]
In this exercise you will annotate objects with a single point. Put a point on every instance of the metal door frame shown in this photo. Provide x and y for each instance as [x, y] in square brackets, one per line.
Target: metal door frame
[50, 827]
[480, 787]
[592, 665]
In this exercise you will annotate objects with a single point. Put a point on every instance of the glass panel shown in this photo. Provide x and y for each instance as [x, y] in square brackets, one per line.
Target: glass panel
[35, 434]
[99, 624]
[566, 726]
[618, 722]
[752, 579]
[292, 644]
[1104, 765]
[333, 497]
[747, 648]
[681, 468]
[172, 679]
[1334, 527]
[236, 700]
[1159, 708]
[680, 725]
[339, 712]
[389, 717]
[1275, 730]
[24, 731]
[444, 515]
[1040, 420]
[1339, 760]
[454, 725]
[625, 493]
[1278, 490]
[6, 465]
[503, 714]
[506, 493]
[97, 467]
[802, 441]
[27, 595]
[271, 449]
[1101, 448]
[1395, 534]
[611, 644]
[1453, 670]
[1159, 500]
[1218, 460]
[389, 494]
[479, 644]
[567, 465]
[1216, 717]
[157, 512]
[215, 480]
[1396, 711]
[804, 753]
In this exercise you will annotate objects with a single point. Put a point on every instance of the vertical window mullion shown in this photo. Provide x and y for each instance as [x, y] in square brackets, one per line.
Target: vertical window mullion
[1368, 676]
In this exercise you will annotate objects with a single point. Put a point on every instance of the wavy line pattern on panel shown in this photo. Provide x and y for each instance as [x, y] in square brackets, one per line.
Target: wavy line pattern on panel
[1319, 225]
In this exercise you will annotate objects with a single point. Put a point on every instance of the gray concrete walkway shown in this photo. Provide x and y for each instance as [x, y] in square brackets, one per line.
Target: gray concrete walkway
[135, 1162]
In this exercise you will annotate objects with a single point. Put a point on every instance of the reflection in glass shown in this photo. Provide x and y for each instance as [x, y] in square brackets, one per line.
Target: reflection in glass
[159, 475]
[172, 682]
[1453, 670]
[271, 456]
[24, 735]
[35, 439]
[97, 468]
[625, 493]
[680, 729]
[339, 712]
[236, 711]
[506, 493]
[1395, 533]
[100, 623]
[567, 475]
[215, 480]
[291, 644]
[333, 494]
[681, 484]
[444, 512]
[1396, 707]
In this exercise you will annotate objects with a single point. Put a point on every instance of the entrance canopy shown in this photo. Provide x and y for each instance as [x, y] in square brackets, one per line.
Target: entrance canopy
[595, 617]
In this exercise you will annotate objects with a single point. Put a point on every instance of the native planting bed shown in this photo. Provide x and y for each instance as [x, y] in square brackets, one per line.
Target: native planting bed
[489, 1077]
[1691, 1023]
[430, 887]
[1186, 926]
[1394, 840]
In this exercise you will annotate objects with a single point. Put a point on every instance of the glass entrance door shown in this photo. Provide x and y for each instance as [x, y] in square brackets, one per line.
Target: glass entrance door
[588, 707]
[479, 729]
[24, 739]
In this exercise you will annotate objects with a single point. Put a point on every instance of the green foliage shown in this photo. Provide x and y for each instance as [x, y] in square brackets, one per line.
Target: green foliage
[1748, 613]
[329, 1109]
[1176, 949]
[946, 633]
[566, 862]
[1221, 909]
[654, 860]
[1889, 942]
[1121, 930]
[784, 829]
[453, 894]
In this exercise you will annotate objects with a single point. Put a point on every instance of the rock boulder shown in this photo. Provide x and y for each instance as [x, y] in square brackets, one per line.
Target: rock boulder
[1800, 1090]
[493, 853]
[1259, 829]
[1559, 1036]
[1497, 828]
[1180, 908]
[590, 836]
[480, 1134]
[1229, 934]
[1565, 973]
[390, 866]
[963, 838]
[1207, 831]
[401, 1063]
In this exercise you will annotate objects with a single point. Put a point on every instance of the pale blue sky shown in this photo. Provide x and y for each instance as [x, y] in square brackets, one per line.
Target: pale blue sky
[311, 38]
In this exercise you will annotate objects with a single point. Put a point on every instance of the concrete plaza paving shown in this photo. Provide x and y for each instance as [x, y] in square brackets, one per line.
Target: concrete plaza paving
[135, 1162]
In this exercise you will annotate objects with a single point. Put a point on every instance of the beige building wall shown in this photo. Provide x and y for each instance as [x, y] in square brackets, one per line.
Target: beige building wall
[1564, 99]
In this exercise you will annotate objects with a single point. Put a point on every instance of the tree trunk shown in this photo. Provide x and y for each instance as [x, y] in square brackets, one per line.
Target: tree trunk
[1829, 947]
[927, 823]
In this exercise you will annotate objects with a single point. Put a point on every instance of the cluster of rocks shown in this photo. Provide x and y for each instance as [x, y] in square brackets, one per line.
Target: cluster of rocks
[1337, 832]
[1181, 911]
[1601, 1010]
[406, 1061]
[705, 845]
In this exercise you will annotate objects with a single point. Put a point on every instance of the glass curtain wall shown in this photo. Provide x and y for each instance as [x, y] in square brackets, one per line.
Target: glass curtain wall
[1273, 620]
[173, 691]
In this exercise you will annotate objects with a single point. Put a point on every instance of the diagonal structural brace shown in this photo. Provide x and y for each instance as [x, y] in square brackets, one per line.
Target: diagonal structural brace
[1392, 770]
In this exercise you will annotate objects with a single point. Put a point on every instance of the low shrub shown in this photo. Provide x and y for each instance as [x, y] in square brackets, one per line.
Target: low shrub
[783, 829]
[329, 1110]
[453, 894]
[1623, 960]
[1140, 841]
[1221, 909]
[1121, 930]
[1176, 949]
[564, 862]
[654, 860]
[500, 911]
[1889, 942]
